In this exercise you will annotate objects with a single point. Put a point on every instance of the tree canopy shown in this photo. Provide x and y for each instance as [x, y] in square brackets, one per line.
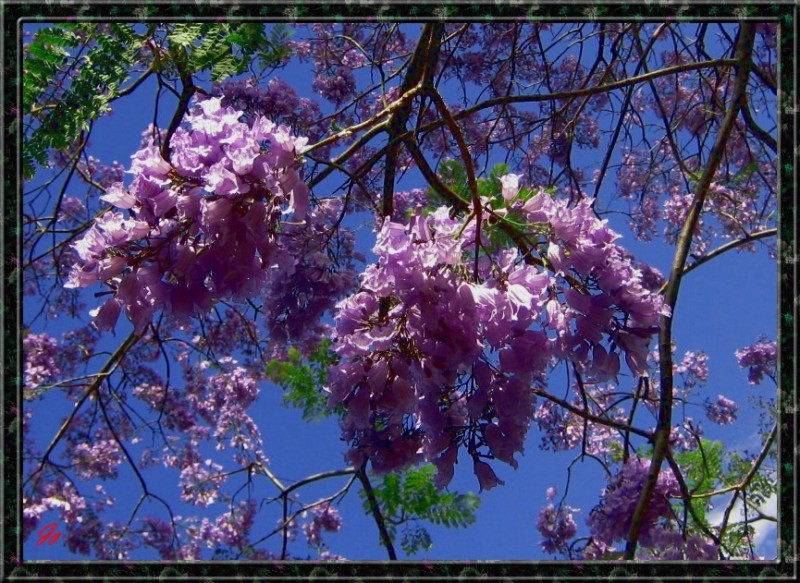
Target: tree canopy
[438, 243]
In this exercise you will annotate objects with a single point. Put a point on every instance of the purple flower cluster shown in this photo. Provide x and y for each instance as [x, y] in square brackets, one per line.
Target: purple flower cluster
[96, 459]
[278, 101]
[41, 354]
[336, 86]
[693, 367]
[72, 211]
[48, 361]
[611, 519]
[722, 412]
[318, 272]
[230, 530]
[324, 517]
[556, 525]
[419, 323]
[201, 227]
[624, 309]
[438, 351]
[671, 545]
[562, 429]
[760, 359]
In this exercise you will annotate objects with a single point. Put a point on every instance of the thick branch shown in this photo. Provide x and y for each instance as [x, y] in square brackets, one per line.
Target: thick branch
[743, 64]
[376, 513]
[188, 90]
[419, 72]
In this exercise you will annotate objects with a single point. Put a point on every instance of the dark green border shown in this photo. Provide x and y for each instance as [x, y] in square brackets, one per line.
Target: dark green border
[785, 13]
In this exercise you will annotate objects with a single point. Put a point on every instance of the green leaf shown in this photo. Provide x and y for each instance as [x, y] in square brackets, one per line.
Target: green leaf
[499, 170]
[415, 539]
[458, 512]
[184, 35]
[225, 67]
[68, 112]
[411, 496]
[303, 380]
[702, 466]
[702, 469]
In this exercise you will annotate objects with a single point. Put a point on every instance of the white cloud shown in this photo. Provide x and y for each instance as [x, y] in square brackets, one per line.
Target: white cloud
[765, 540]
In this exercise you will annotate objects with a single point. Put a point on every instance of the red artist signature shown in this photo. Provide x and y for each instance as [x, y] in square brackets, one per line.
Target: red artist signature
[47, 532]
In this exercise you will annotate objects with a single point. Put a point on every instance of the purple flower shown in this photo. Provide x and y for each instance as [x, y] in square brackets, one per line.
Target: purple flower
[119, 196]
[556, 525]
[486, 476]
[722, 412]
[510, 186]
[41, 354]
[324, 517]
[611, 519]
[106, 316]
[760, 359]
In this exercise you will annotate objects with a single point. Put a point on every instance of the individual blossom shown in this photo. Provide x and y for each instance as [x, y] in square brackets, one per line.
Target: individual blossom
[510, 184]
[486, 476]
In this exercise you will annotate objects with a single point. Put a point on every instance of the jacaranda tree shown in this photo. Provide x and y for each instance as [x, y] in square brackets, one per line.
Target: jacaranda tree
[415, 230]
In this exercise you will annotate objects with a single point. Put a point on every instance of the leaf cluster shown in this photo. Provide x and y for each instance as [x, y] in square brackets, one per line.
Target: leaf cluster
[72, 74]
[454, 176]
[761, 485]
[702, 469]
[228, 49]
[408, 497]
[302, 380]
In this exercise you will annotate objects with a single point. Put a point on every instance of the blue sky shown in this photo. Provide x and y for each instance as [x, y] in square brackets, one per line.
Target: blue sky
[723, 306]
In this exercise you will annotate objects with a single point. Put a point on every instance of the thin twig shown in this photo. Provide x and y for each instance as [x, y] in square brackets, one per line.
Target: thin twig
[108, 368]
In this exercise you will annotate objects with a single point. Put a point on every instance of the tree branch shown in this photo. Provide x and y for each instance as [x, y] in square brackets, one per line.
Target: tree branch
[108, 368]
[748, 478]
[419, 72]
[187, 91]
[743, 62]
[376, 513]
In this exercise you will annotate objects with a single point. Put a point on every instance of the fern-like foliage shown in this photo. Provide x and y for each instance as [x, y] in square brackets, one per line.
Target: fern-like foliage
[302, 380]
[72, 72]
[410, 497]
